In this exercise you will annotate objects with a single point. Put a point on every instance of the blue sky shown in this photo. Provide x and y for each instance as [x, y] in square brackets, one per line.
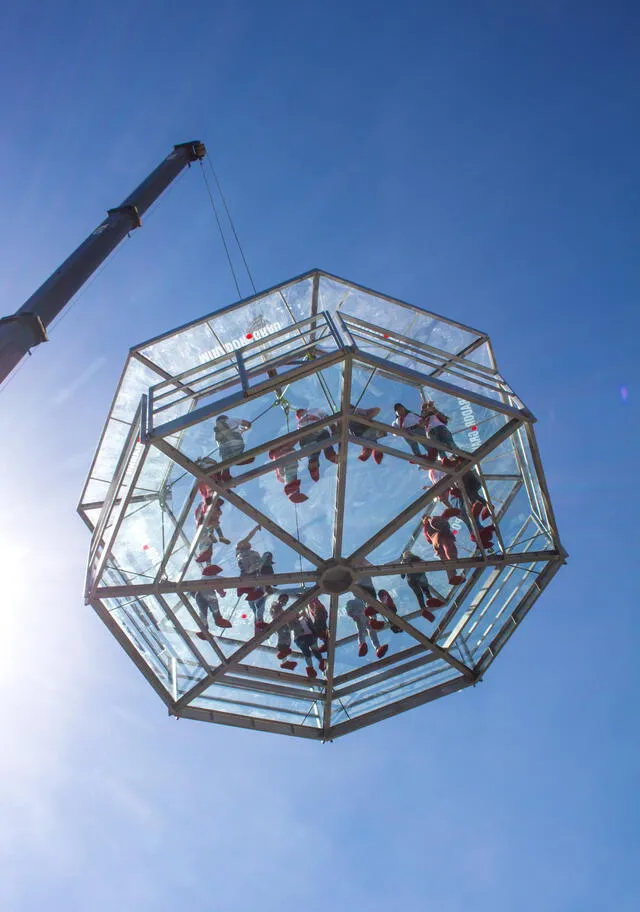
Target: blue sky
[477, 158]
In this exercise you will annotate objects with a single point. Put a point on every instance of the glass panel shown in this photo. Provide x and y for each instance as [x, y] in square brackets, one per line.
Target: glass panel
[256, 705]
[384, 693]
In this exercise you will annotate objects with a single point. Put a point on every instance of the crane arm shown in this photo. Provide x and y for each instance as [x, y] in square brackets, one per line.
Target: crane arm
[27, 327]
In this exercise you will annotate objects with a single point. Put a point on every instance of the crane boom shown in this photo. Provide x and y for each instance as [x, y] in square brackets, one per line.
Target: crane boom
[27, 327]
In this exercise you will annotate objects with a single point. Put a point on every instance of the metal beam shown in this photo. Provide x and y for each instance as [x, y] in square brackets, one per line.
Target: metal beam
[249, 646]
[204, 412]
[392, 709]
[424, 640]
[242, 721]
[386, 674]
[435, 491]
[448, 389]
[236, 501]
[542, 581]
[343, 452]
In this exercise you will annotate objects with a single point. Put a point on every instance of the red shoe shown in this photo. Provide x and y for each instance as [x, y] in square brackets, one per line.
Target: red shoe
[386, 600]
[248, 461]
[223, 622]
[298, 498]
[374, 624]
[370, 612]
[311, 672]
[201, 635]
[476, 509]
[434, 603]
[330, 454]
[381, 651]
[261, 625]
[314, 471]
[212, 570]
[454, 580]
[288, 666]
[324, 647]
[428, 615]
[362, 651]
[486, 513]
[322, 664]
[283, 653]
[364, 455]
[204, 556]
[378, 456]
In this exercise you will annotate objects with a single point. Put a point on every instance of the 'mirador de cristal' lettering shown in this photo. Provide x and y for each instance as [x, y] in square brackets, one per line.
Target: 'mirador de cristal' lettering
[212, 353]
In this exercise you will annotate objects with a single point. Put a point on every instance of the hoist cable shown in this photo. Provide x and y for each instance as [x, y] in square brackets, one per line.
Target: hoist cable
[224, 240]
[233, 227]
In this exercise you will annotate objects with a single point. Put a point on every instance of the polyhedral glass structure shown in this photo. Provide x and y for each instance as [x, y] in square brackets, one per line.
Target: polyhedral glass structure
[159, 485]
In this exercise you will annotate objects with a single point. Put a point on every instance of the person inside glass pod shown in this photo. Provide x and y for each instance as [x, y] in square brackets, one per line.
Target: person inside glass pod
[356, 609]
[472, 488]
[411, 422]
[287, 472]
[283, 633]
[250, 563]
[305, 417]
[228, 434]
[386, 598]
[266, 568]
[366, 433]
[319, 619]
[419, 585]
[435, 424]
[366, 583]
[207, 600]
[486, 537]
[308, 628]
[209, 512]
[439, 534]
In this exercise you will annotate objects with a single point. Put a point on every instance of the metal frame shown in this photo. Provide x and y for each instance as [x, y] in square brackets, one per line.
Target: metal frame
[197, 668]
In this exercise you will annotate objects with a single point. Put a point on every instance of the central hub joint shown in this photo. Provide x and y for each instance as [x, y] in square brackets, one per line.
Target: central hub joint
[336, 577]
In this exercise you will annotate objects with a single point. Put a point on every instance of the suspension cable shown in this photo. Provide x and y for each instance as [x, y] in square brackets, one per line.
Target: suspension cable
[233, 227]
[224, 240]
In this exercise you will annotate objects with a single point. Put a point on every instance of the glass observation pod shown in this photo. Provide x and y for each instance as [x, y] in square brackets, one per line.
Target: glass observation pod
[315, 509]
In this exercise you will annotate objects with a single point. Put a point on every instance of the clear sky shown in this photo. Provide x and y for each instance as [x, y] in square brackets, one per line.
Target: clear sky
[478, 158]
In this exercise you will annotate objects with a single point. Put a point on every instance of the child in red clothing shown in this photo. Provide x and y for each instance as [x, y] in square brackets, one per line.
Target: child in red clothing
[209, 512]
[305, 417]
[438, 533]
[287, 473]
[318, 618]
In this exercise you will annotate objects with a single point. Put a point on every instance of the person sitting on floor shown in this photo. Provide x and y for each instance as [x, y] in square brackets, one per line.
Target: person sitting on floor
[419, 585]
[411, 423]
[287, 472]
[250, 563]
[438, 533]
[207, 601]
[228, 434]
[283, 633]
[305, 417]
[366, 433]
[435, 424]
[356, 609]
